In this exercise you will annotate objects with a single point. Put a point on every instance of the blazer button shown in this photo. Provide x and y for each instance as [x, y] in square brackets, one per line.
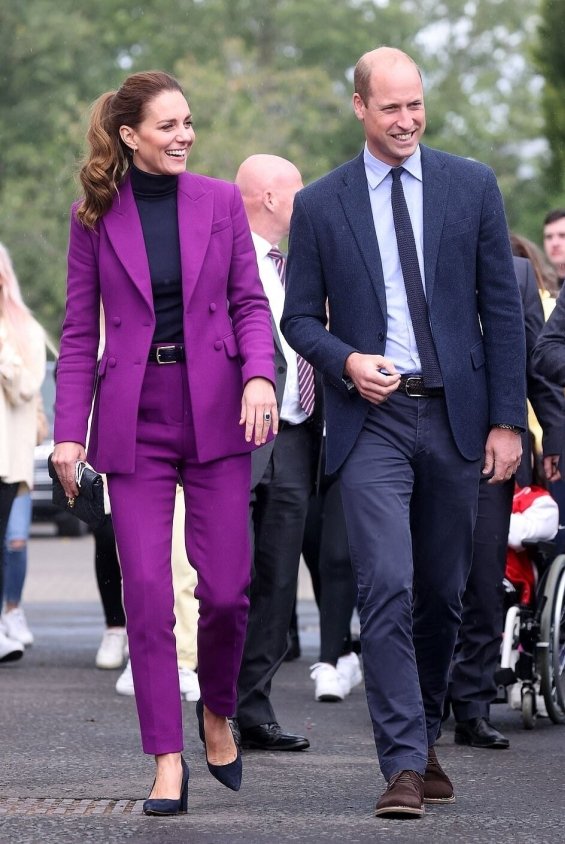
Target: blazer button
[112, 361]
[281, 370]
[212, 307]
[117, 320]
[380, 336]
[218, 345]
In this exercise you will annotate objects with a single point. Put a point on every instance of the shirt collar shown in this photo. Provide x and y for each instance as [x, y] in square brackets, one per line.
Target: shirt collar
[376, 170]
[262, 246]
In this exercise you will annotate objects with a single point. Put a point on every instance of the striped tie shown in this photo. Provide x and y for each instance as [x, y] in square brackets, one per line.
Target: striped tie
[305, 370]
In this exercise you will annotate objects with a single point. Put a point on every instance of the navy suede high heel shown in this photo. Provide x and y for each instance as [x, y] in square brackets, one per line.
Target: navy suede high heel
[170, 807]
[230, 774]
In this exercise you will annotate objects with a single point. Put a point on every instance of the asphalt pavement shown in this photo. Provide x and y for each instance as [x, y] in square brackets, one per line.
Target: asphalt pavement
[72, 769]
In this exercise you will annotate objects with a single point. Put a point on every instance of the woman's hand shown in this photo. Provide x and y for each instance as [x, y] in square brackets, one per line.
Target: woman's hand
[65, 458]
[259, 410]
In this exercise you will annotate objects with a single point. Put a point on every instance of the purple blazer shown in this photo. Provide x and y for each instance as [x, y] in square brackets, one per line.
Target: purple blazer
[227, 324]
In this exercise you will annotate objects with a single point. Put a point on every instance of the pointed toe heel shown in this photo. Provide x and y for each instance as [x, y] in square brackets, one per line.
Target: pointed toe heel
[170, 807]
[229, 775]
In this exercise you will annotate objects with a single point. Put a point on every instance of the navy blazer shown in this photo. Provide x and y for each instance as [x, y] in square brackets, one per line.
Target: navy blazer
[473, 299]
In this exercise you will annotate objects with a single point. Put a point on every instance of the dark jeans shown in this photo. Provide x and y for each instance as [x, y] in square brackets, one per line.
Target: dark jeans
[7, 495]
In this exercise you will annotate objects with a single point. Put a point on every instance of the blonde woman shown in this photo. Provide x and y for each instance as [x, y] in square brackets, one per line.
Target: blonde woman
[22, 369]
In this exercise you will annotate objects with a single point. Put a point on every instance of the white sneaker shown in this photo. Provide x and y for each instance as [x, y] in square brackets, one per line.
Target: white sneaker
[111, 653]
[15, 626]
[124, 683]
[329, 686]
[10, 649]
[189, 685]
[349, 669]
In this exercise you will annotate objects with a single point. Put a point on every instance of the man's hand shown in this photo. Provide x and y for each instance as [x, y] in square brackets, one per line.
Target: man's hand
[369, 374]
[503, 451]
[551, 467]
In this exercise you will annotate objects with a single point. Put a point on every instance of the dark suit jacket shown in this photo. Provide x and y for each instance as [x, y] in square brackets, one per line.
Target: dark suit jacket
[547, 399]
[473, 299]
[549, 353]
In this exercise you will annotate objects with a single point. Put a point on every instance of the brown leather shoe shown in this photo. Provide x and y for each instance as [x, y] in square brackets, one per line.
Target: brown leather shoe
[403, 798]
[438, 788]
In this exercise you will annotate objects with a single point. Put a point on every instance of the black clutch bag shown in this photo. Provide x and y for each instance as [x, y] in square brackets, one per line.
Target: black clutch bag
[88, 506]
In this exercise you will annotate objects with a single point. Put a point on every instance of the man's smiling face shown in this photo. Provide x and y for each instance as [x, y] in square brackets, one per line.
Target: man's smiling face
[394, 117]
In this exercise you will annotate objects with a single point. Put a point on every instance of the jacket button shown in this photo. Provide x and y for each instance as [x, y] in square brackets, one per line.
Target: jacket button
[117, 320]
[218, 345]
[112, 361]
[212, 307]
[281, 369]
[380, 336]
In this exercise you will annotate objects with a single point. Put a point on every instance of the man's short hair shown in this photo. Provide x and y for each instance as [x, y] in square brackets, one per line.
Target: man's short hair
[553, 216]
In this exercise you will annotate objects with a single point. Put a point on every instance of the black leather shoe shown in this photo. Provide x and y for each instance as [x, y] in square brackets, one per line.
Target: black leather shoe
[229, 775]
[271, 737]
[479, 732]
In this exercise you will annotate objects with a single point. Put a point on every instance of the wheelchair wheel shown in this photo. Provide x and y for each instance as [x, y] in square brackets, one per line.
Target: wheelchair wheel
[528, 709]
[551, 647]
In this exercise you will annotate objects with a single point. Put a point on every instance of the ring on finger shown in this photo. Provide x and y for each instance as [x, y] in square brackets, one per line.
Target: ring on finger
[267, 416]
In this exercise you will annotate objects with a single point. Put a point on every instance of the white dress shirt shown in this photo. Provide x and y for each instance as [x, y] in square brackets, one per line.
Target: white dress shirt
[291, 410]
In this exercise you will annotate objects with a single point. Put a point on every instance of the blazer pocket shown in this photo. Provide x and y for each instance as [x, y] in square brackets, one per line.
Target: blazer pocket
[478, 355]
[220, 225]
[458, 228]
[230, 345]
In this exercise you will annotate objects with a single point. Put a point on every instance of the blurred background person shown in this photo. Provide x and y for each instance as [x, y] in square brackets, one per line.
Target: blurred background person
[282, 477]
[22, 369]
[554, 241]
[546, 278]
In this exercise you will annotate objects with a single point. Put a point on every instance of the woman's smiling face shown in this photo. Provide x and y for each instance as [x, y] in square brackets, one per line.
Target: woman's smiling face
[162, 141]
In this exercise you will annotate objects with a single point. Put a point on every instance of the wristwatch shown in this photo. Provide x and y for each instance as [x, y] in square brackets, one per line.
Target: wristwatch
[514, 428]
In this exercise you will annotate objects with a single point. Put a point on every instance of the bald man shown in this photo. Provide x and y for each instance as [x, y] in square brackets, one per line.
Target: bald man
[424, 384]
[282, 471]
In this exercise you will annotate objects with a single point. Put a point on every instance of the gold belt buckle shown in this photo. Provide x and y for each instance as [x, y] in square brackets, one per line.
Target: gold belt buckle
[414, 389]
[158, 351]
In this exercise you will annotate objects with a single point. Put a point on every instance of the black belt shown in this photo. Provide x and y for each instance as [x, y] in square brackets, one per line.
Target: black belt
[166, 354]
[413, 386]
[284, 425]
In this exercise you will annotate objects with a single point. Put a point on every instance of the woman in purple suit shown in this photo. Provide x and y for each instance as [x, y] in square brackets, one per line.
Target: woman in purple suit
[184, 389]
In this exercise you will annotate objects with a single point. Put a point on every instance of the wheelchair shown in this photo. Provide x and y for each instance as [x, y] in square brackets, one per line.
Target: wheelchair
[532, 662]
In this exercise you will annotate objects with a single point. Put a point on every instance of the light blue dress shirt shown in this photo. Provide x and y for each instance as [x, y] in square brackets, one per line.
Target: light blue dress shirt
[400, 343]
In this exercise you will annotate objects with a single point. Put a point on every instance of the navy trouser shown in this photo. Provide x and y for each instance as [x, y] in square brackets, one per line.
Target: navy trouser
[410, 502]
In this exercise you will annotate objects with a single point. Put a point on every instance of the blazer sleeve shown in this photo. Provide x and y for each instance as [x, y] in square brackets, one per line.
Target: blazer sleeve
[76, 367]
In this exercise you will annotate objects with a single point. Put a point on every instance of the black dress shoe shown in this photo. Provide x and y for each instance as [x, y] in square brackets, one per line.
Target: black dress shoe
[271, 737]
[479, 732]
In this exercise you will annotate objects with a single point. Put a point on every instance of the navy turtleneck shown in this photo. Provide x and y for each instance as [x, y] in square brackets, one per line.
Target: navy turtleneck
[156, 199]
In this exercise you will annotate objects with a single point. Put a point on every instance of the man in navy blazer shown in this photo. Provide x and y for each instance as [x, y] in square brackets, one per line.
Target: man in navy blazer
[409, 448]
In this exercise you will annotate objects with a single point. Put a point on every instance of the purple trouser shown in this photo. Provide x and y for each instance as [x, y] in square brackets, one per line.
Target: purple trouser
[218, 546]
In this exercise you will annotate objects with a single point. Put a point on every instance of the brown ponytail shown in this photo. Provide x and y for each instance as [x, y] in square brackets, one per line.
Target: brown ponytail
[109, 159]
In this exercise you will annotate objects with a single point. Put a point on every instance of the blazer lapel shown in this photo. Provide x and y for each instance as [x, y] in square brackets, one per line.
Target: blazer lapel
[124, 230]
[195, 212]
[354, 197]
[435, 179]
